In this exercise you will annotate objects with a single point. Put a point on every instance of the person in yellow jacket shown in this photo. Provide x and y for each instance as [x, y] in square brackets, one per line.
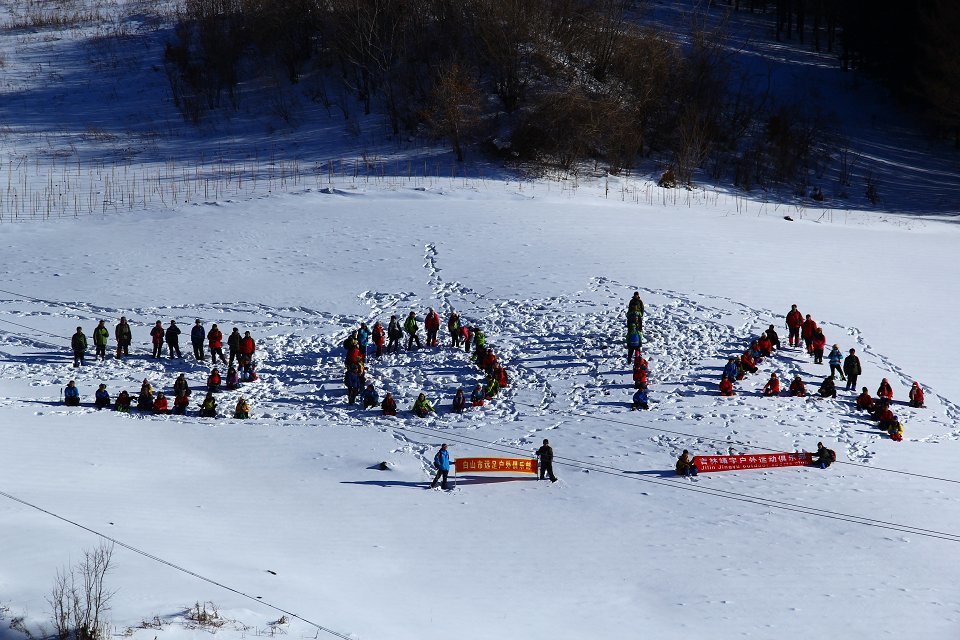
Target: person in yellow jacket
[422, 407]
[242, 412]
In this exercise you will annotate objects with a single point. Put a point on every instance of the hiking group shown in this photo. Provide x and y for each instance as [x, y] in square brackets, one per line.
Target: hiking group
[241, 350]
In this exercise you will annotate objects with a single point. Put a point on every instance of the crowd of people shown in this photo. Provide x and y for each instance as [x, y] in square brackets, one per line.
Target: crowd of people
[360, 341]
[241, 350]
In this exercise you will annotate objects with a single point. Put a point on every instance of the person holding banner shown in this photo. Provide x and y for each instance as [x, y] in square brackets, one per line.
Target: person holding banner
[441, 462]
[545, 453]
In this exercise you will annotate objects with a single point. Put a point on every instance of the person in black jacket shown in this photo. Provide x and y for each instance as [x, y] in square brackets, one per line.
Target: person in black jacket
[851, 367]
[234, 343]
[773, 337]
[545, 453]
[197, 335]
[173, 339]
[79, 345]
[124, 337]
[394, 334]
[828, 389]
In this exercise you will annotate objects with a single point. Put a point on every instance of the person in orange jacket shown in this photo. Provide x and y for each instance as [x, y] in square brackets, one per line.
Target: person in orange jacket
[809, 326]
[916, 396]
[772, 387]
[794, 322]
[432, 324]
[885, 391]
[726, 387]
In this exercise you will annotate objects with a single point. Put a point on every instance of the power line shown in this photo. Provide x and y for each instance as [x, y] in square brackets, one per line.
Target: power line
[145, 554]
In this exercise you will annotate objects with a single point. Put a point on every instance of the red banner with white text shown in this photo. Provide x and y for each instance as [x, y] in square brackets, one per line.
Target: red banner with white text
[707, 464]
[498, 465]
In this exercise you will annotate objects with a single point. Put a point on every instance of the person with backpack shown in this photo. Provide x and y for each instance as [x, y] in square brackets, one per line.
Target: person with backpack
[836, 360]
[641, 400]
[79, 345]
[797, 388]
[233, 345]
[100, 336]
[807, 331]
[370, 397]
[726, 387]
[422, 407]
[476, 397]
[916, 396]
[794, 324]
[378, 338]
[773, 337]
[441, 462]
[545, 454]
[247, 348]
[123, 402]
[213, 380]
[71, 395]
[242, 410]
[828, 388]
[124, 337]
[865, 400]
[352, 382]
[156, 336]
[101, 399]
[818, 343]
[635, 306]
[208, 408]
[885, 391]
[173, 339]
[412, 327]
[160, 405]
[453, 327]
[215, 342]
[432, 324]
[685, 466]
[459, 402]
[851, 367]
[197, 335]
[824, 457]
[389, 406]
[772, 388]
[634, 341]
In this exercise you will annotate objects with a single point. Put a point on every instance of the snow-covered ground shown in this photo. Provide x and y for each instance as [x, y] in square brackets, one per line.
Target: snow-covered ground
[614, 546]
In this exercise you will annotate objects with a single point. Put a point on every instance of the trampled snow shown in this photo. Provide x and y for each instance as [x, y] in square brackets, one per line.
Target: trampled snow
[618, 545]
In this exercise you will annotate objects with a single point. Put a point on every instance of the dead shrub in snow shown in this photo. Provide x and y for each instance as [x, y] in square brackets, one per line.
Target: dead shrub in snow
[79, 599]
[205, 615]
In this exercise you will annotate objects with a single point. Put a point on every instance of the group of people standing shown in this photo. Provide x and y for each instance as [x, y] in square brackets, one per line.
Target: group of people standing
[358, 343]
[641, 368]
[241, 350]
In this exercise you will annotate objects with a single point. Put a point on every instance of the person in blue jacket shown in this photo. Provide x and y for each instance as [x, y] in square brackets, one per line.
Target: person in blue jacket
[731, 370]
[352, 381]
[836, 362]
[441, 462]
[370, 397]
[633, 341]
[102, 397]
[71, 395]
[197, 335]
[363, 338]
[640, 400]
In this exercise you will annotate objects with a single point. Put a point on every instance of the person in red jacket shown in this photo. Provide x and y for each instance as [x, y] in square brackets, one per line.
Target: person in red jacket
[887, 419]
[885, 391]
[818, 342]
[378, 338]
[160, 404]
[500, 374]
[389, 406]
[916, 396]
[213, 380]
[247, 347]
[797, 388]
[794, 322]
[640, 372]
[432, 324]
[726, 387]
[157, 334]
[215, 338]
[748, 363]
[180, 404]
[765, 346]
[772, 387]
[809, 326]
[489, 361]
[865, 400]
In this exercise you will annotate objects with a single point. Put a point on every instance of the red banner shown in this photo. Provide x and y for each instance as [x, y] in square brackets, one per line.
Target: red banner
[499, 465]
[706, 464]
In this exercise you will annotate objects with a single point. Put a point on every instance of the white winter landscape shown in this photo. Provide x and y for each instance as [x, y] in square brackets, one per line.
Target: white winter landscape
[286, 524]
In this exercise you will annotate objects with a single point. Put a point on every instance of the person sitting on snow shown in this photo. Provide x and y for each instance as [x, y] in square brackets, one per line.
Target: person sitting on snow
[773, 337]
[102, 398]
[828, 388]
[764, 346]
[233, 379]
[160, 405]
[71, 395]
[797, 388]
[916, 396]
[123, 402]
[685, 466]
[824, 457]
[370, 397]
[389, 406]
[477, 398]
[887, 419]
[640, 400]
[208, 408]
[145, 399]
[242, 410]
[213, 380]
[895, 431]
[180, 403]
[422, 407]
[748, 363]
[772, 387]
[865, 400]
[640, 372]
[885, 391]
[731, 370]
[726, 387]
[459, 402]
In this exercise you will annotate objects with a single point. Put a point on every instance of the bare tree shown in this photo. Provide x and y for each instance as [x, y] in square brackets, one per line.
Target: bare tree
[79, 599]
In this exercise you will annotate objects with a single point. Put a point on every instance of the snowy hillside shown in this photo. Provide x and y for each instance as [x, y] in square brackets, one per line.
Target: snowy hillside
[613, 546]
